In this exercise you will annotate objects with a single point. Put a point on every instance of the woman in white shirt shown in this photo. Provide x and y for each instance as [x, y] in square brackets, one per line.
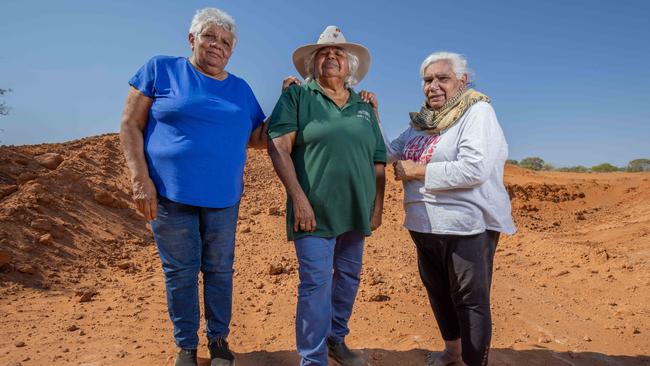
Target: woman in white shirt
[451, 160]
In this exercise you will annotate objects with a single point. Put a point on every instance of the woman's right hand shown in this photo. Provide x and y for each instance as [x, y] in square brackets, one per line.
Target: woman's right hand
[303, 215]
[145, 197]
[371, 98]
[288, 81]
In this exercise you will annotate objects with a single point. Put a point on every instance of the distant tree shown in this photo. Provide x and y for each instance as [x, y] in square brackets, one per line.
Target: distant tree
[639, 165]
[605, 168]
[4, 109]
[575, 169]
[532, 163]
[512, 162]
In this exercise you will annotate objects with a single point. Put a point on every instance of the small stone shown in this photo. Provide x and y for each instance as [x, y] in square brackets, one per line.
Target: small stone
[379, 298]
[586, 339]
[72, 328]
[245, 230]
[49, 160]
[82, 333]
[124, 265]
[45, 239]
[562, 273]
[543, 339]
[275, 269]
[26, 268]
[87, 296]
[636, 330]
[104, 198]
[20, 344]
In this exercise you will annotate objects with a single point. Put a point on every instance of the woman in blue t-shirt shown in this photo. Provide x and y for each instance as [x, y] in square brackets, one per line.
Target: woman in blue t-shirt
[184, 130]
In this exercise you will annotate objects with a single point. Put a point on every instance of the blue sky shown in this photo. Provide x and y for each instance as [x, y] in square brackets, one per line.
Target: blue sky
[569, 79]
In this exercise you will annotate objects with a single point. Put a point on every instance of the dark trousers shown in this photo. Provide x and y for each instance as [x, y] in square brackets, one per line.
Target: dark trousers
[457, 272]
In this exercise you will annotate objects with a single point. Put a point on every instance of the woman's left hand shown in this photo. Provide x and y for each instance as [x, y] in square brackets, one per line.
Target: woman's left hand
[409, 170]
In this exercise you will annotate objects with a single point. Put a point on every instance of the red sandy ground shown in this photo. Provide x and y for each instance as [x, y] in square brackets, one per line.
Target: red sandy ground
[81, 284]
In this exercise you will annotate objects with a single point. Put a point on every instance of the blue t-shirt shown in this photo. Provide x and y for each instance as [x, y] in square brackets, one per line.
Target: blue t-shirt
[197, 131]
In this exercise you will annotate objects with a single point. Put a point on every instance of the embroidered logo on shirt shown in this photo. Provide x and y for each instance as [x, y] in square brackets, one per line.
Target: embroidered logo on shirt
[364, 114]
[420, 148]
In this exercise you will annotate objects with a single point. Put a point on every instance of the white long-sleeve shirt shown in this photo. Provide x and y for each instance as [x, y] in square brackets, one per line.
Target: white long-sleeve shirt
[463, 191]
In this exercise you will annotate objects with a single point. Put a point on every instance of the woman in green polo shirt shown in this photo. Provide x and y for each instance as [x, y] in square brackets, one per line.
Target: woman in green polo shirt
[327, 149]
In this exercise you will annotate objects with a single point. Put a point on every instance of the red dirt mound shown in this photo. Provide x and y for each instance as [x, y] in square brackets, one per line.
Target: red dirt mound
[80, 281]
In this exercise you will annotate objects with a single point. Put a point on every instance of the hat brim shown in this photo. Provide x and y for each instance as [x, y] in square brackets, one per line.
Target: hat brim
[358, 50]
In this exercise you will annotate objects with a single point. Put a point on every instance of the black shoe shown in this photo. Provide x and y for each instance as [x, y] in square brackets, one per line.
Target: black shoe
[186, 357]
[220, 354]
[343, 355]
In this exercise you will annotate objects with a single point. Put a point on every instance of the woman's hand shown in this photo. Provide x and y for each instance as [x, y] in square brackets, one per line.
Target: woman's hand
[409, 170]
[145, 197]
[288, 81]
[303, 214]
[375, 221]
[371, 98]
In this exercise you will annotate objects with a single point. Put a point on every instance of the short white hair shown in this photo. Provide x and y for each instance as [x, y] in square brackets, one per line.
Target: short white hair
[353, 65]
[457, 61]
[207, 17]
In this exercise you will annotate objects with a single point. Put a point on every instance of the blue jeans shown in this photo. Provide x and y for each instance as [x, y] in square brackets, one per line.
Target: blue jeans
[192, 239]
[329, 270]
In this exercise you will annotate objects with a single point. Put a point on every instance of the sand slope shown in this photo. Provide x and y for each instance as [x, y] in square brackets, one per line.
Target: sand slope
[80, 281]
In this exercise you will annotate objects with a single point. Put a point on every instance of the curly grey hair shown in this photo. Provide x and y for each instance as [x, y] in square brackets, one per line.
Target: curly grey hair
[212, 16]
[353, 65]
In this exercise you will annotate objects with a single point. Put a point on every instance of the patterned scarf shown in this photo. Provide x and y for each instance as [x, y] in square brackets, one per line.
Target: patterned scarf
[436, 120]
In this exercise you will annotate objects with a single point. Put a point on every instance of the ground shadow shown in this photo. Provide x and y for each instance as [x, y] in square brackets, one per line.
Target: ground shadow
[417, 357]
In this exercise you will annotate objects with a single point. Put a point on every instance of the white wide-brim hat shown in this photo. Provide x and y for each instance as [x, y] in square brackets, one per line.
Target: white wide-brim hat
[332, 36]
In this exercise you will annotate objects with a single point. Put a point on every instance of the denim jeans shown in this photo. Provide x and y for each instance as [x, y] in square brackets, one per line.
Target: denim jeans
[329, 270]
[192, 239]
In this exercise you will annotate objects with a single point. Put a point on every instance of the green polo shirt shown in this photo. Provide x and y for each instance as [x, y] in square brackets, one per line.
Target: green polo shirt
[334, 156]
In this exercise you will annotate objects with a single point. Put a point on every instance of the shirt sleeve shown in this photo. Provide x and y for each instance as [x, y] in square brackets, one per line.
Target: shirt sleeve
[394, 148]
[284, 118]
[144, 79]
[379, 155]
[257, 114]
[478, 148]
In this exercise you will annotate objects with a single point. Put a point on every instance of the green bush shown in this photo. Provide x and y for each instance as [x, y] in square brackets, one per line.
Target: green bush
[532, 163]
[512, 162]
[605, 168]
[575, 169]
